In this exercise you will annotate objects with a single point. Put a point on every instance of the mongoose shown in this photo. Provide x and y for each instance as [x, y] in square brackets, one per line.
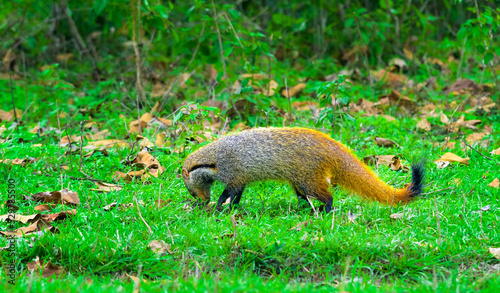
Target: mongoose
[307, 159]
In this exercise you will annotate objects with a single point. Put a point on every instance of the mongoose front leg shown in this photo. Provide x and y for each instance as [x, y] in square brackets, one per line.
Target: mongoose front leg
[223, 197]
[301, 196]
[233, 193]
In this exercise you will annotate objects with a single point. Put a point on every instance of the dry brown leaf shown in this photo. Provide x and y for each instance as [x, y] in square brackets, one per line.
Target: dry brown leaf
[106, 187]
[159, 247]
[495, 152]
[137, 126]
[462, 87]
[270, 88]
[392, 79]
[257, 76]
[444, 118]
[20, 218]
[64, 57]
[45, 207]
[119, 175]
[147, 161]
[36, 227]
[474, 137]
[384, 142]
[495, 183]
[100, 135]
[396, 216]
[305, 106]
[495, 252]
[109, 143]
[293, 91]
[388, 118]
[396, 165]
[63, 196]
[424, 125]
[396, 98]
[146, 117]
[160, 140]
[58, 216]
[225, 236]
[442, 164]
[451, 157]
[48, 269]
[299, 226]
[157, 107]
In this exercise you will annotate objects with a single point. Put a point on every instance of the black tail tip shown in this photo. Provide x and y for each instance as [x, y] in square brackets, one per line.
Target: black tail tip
[417, 178]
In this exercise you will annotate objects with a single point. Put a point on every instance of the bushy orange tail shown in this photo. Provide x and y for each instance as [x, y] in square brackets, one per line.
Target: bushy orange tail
[364, 182]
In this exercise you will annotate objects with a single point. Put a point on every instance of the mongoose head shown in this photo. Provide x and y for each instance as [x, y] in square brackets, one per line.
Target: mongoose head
[199, 179]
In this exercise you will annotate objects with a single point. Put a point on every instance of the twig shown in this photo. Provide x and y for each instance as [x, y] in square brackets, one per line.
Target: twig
[25, 82]
[490, 158]
[370, 77]
[13, 103]
[136, 38]
[169, 233]
[140, 215]
[311, 204]
[224, 62]
[74, 30]
[81, 143]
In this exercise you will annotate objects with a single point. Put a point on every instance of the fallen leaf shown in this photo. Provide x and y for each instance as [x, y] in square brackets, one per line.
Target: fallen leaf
[451, 157]
[137, 126]
[396, 216]
[159, 247]
[36, 227]
[495, 152]
[444, 118]
[106, 187]
[495, 252]
[63, 196]
[299, 226]
[351, 216]
[392, 79]
[461, 87]
[484, 209]
[58, 216]
[270, 88]
[149, 163]
[495, 183]
[227, 235]
[20, 218]
[424, 125]
[396, 165]
[383, 142]
[109, 143]
[293, 91]
[48, 269]
[442, 164]
[100, 135]
[45, 207]
[474, 137]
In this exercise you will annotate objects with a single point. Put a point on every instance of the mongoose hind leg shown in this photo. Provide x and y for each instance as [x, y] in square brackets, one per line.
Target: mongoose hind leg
[319, 191]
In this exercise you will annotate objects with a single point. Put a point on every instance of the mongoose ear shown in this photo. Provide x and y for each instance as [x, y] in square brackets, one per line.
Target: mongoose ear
[185, 173]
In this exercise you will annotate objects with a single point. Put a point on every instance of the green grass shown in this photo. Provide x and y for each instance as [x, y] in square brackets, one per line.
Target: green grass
[372, 253]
